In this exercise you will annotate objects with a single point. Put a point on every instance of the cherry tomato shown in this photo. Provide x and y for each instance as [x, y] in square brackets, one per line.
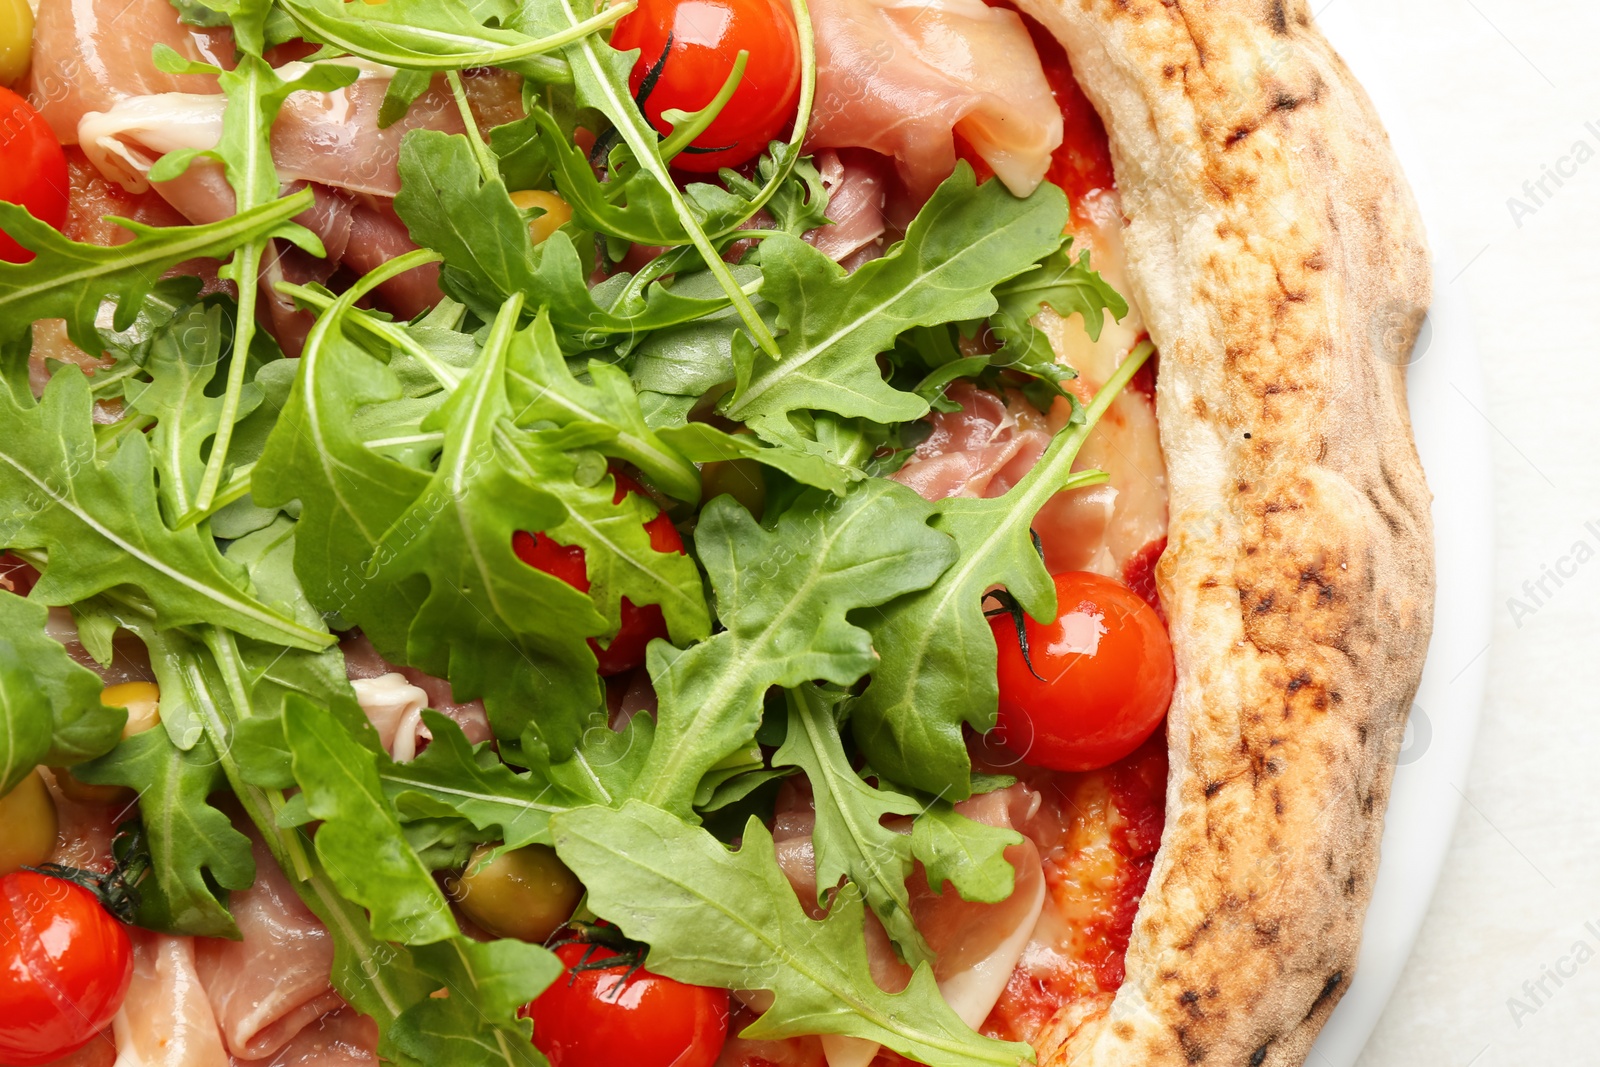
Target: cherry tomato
[692, 46]
[1104, 676]
[595, 1018]
[65, 965]
[641, 624]
[34, 173]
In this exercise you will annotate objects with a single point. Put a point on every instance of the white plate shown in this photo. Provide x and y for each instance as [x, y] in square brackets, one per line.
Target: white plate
[1447, 405]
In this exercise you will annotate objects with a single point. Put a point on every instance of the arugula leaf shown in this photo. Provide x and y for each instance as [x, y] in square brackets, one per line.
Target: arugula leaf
[349, 495]
[68, 280]
[968, 854]
[714, 917]
[360, 841]
[704, 443]
[783, 596]
[600, 77]
[489, 255]
[188, 839]
[476, 1023]
[450, 779]
[440, 35]
[964, 242]
[256, 93]
[50, 710]
[101, 523]
[541, 388]
[850, 838]
[181, 362]
[496, 627]
[938, 666]
[1069, 287]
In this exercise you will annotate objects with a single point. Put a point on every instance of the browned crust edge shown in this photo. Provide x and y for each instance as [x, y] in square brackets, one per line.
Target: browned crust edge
[1278, 257]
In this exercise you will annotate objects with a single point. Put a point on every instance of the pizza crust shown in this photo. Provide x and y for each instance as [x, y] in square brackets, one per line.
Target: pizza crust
[1277, 254]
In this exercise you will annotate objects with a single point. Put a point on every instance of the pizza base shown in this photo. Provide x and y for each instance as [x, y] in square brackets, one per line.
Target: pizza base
[1278, 256]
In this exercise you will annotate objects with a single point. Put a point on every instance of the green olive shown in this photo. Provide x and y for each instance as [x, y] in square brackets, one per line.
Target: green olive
[739, 478]
[16, 39]
[28, 814]
[527, 893]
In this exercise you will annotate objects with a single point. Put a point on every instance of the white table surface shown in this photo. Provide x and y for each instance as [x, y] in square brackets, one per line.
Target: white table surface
[1497, 91]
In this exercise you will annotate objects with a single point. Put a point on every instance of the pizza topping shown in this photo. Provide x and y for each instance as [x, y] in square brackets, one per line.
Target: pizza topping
[689, 49]
[167, 1019]
[526, 893]
[906, 80]
[65, 964]
[445, 663]
[35, 174]
[275, 980]
[600, 1013]
[1087, 689]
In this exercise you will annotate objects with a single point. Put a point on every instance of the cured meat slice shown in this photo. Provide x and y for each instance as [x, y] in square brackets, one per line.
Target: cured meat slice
[274, 982]
[167, 1019]
[88, 54]
[905, 78]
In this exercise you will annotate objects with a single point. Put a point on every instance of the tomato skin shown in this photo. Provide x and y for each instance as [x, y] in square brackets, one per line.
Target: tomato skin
[707, 36]
[592, 1019]
[1108, 676]
[35, 170]
[640, 624]
[65, 965]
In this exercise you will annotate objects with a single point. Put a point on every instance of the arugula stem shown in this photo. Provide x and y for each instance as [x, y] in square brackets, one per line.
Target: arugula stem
[641, 140]
[265, 806]
[802, 118]
[686, 125]
[328, 29]
[391, 332]
[480, 151]
[246, 270]
[237, 487]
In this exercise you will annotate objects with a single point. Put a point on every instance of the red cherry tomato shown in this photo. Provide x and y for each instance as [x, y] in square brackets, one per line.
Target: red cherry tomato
[34, 170]
[597, 1019]
[641, 624]
[699, 41]
[1104, 676]
[65, 965]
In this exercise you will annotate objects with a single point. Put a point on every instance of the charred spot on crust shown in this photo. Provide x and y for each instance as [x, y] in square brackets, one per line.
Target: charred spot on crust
[1190, 999]
[1213, 788]
[1328, 989]
[1239, 133]
[1350, 885]
[1278, 20]
[1259, 1055]
[1282, 101]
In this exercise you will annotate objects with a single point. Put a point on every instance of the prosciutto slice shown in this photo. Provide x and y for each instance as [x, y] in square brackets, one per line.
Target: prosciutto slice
[272, 984]
[88, 54]
[166, 1020]
[393, 698]
[904, 78]
[345, 1038]
[980, 450]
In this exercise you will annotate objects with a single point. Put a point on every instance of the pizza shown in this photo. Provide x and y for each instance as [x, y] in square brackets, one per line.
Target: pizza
[696, 533]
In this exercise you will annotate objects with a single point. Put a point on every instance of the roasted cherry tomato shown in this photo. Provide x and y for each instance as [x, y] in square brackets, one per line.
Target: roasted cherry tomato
[65, 965]
[609, 1018]
[640, 625]
[1101, 677]
[34, 173]
[687, 50]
